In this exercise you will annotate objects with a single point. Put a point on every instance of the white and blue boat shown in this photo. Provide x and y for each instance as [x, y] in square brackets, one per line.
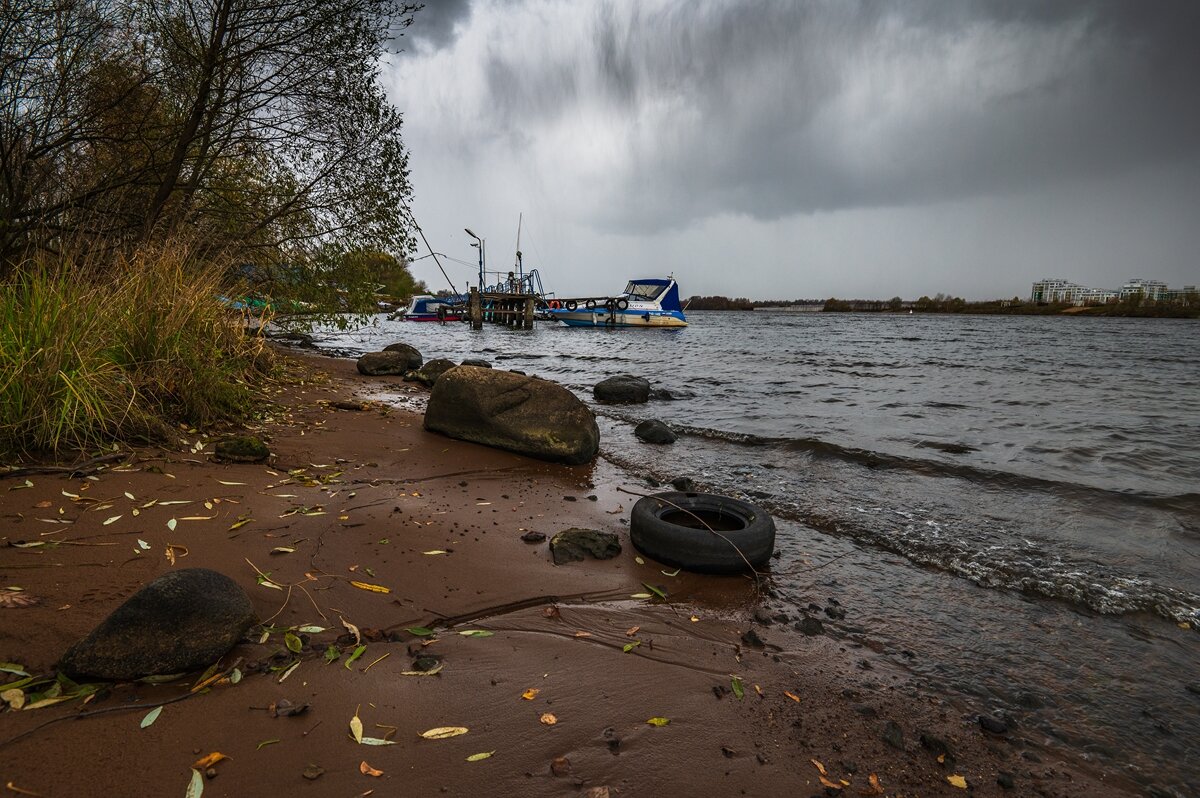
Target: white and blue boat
[424, 307]
[651, 302]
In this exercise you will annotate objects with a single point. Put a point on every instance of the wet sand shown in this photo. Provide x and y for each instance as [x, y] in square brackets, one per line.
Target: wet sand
[363, 496]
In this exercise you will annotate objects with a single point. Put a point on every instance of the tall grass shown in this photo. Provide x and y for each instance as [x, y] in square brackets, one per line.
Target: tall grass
[93, 352]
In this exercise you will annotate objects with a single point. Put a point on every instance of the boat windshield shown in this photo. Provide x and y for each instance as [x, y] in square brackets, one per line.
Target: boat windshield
[644, 290]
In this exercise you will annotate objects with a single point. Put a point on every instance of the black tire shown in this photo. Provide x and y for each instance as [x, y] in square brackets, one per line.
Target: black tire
[622, 304]
[570, 305]
[590, 304]
[609, 304]
[656, 529]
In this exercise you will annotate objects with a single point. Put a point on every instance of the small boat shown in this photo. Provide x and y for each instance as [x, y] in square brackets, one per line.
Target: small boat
[651, 302]
[424, 307]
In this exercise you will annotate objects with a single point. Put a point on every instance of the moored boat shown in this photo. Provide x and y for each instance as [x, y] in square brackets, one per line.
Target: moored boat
[648, 302]
[424, 307]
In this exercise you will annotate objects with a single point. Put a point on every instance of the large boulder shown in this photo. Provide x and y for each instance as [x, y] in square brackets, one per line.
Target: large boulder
[623, 389]
[428, 374]
[240, 449]
[510, 411]
[414, 357]
[182, 621]
[384, 364]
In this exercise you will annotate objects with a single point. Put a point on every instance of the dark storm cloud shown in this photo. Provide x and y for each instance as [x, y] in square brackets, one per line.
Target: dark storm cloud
[436, 21]
[775, 108]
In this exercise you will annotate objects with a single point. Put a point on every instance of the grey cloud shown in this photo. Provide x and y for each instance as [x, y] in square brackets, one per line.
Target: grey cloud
[785, 108]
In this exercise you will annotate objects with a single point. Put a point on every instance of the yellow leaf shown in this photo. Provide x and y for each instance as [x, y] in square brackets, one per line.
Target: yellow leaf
[209, 760]
[658, 721]
[530, 694]
[197, 518]
[367, 770]
[792, 696]
[372, 588]
[957, 781]
[356, 728]
[442, 732]
[694, 619]
[548, 719]
[479, 756]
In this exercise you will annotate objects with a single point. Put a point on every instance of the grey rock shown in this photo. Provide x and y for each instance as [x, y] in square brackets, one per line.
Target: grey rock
[413, 355]
[810, 626]
[1005, 780]
[572, 545]
[429, 373]
[622, 389]
[992, 725]
[183, 620]
[893, 735]
[529, 416]
[533, 537]
[477, 362]
[685, 484]
[654, 431]
[383, 364]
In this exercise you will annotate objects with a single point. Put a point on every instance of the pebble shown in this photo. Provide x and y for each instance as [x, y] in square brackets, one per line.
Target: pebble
[533, 537]
[313, 772]
[561, 766]
[751, 638]
[993, 725]
[810, 627]
[1005, 780]
[570, 499]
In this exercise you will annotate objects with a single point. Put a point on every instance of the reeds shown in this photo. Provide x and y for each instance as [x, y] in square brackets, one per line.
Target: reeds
[93, 351]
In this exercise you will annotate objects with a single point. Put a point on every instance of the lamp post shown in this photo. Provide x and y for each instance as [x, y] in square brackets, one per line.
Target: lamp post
[479, 244]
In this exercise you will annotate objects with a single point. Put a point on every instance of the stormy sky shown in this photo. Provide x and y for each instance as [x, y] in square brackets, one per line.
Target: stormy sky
[780, 149]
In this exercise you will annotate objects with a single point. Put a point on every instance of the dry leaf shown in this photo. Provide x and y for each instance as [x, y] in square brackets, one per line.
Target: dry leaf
[367, 770]
[530, 694]
[957, 781]
[831, 784]
[875, 789]
[14, 599]
[792, 696]
[442, 732]
[819, 767]
[548, 719]
[583, 634]
[356, 728]
[352, 629]
[372, 588]
[479, 756]
[631, 631]
[209, 760]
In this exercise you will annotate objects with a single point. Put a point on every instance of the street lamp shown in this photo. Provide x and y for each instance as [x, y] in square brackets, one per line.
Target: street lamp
[478, 243]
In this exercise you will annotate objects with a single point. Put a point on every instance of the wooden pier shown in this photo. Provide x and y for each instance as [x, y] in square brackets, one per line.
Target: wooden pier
[510, 310]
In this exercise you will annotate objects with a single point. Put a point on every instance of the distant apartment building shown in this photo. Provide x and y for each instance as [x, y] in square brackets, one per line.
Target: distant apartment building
[1053, 289]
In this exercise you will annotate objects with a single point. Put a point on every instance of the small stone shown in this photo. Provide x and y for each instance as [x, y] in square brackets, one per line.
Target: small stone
[993, 725]
[751, 638]
[533, 537]
[728, 752]
[210, 774]
[313, 772]
[810, 626]
[1005, 780]
[426, 662]
[893, 735]
[763, 617]
[835, 612]
[611, 740]
[654, 431]
[570, 499]
[561, 766]
[937, 746]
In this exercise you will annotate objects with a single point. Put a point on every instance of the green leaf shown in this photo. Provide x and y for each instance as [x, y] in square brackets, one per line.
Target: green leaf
[332, 653]
[476, 633]
[642, 595]
[358, 652]
[293, 642]
[13, 668]
[419, 631]
[312, 630]
[195, 786]
[376, 741]
[631, 646]
[658, 591]
[738, 689]
[265, 743]
[671, 573]
[151, 716]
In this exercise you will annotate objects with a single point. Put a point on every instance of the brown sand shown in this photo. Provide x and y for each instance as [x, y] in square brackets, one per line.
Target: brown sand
[368, 493]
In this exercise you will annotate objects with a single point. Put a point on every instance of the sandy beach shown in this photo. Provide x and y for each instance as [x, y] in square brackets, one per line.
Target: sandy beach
[363, 520]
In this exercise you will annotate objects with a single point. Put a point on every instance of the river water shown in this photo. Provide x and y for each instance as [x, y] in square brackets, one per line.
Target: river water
[1013, 502]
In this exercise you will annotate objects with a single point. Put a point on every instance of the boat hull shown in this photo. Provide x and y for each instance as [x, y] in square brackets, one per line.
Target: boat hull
[623, 319]
[430, 317]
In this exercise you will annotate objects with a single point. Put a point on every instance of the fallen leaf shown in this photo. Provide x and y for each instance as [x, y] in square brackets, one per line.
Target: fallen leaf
[694, 619]
[151, 716]
[209, 760]
[833, 785]
[631, 631]
[875, 789]
[108, 521]
[197, 518]
[352, 629]
[820, 768]
[435, 551]
[13, 599]
[419, 631]
[265, 743]
[738, 689]
[583, 634]
[792, 696]
[376, 741]
[195, 786]
[372, 588]
[631, 646]
[172, 524]
[15, 697]
[143, 545]
[356, 728]
[658, 591]
[223, 482]
[431, 672]
[477, 757]
[548, 719]
[358, 652]
[957, 781]
[530, 694]
[671, 573]
[367, 770]
[658, 721]
[642, 595]
[442, 732]
[476, 633]
[282, 550]
[639, 561]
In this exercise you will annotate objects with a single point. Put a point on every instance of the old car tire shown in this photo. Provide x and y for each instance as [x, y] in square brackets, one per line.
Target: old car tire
[661, 527]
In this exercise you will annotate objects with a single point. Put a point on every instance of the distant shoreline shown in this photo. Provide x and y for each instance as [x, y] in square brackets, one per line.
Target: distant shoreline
[954, 306]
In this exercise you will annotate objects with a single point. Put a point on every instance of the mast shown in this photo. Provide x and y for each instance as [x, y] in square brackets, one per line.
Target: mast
[520, 269]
